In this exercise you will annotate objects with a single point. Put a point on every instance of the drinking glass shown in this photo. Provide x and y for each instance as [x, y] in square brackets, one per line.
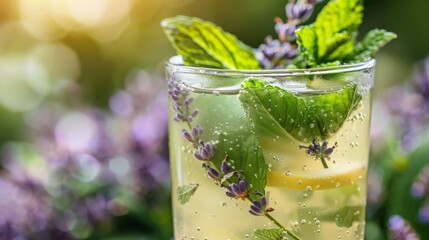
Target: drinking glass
[310, 127]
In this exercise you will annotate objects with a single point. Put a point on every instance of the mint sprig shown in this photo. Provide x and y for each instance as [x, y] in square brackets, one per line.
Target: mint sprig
[373, 41]
[332, 36]
[277, 112]
[185, 192]
[331, 39]
[203, 44]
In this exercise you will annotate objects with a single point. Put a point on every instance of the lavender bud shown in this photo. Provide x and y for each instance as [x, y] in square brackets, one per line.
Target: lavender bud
[194, 113]
[199, 157]
[197, 131]
[187, 135]
[190, 119]
[175, 98]
[177, 108]
[285, 31]
[238, 191]
[299, 12]
[213, 173]
[242, 184]
[176, 92]
[225, 167]
[188, 101]
[180, 116]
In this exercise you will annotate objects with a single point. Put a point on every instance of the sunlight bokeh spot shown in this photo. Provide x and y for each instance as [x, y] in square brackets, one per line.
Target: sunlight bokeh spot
[23, 83]
[75, 132]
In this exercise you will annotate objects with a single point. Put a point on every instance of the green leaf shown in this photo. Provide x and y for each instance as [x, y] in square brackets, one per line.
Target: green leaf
[269, 234]
[185, 192]
[203, 44]
[373, 41]
[244, 152]
[332, 36]
[277, 112]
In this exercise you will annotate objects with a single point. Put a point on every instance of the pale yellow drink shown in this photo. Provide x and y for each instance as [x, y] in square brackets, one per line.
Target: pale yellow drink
[308, 199]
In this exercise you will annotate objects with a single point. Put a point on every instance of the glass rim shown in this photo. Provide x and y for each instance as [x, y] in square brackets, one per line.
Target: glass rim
[173, 62]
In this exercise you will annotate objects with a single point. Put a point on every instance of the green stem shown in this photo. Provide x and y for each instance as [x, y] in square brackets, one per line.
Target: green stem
[325, 165]
[290, 233]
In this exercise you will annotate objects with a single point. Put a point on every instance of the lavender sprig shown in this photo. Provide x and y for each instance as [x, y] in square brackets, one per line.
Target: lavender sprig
[320, 151]
[277, 53]
[203, 151]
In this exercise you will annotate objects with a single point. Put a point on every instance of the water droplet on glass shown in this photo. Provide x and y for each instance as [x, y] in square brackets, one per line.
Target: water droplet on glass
[303, 221]
[288, 173]
[304, 168]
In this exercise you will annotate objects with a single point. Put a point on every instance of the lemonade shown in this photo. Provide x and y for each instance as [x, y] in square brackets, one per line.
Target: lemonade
[309, 197]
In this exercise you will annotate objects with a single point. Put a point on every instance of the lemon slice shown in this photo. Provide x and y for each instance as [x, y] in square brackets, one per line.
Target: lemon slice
[334, 177]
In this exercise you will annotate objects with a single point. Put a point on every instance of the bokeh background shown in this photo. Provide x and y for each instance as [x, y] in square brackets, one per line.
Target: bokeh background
[83, 125]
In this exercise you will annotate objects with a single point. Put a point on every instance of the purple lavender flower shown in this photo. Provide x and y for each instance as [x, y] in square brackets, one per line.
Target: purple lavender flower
[125, 150]
[399, 229]
[181, 102]
[278, 53]
[424, 213]
[212, 172]
[285, 31]
[420, 186]
[274, 54]
[259, 207]
[319, 151]
[205, 152]
[225, 166]
[410, 104]
[238, 190]
[299, 12]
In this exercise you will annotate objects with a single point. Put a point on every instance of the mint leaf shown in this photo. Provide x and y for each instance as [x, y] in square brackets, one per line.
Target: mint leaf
[203, 44]
[278, 112]
[185, 192]
[269, 234]
[244, 152]
[332, 36]
[373, 41]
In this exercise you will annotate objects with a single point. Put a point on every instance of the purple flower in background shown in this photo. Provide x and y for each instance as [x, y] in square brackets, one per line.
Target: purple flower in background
[399, 229]
[83, 162]
[422, 83]
[410, 105]
[420, 186]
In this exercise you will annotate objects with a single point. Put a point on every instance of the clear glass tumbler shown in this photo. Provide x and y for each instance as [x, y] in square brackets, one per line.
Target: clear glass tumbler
[269, 154]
